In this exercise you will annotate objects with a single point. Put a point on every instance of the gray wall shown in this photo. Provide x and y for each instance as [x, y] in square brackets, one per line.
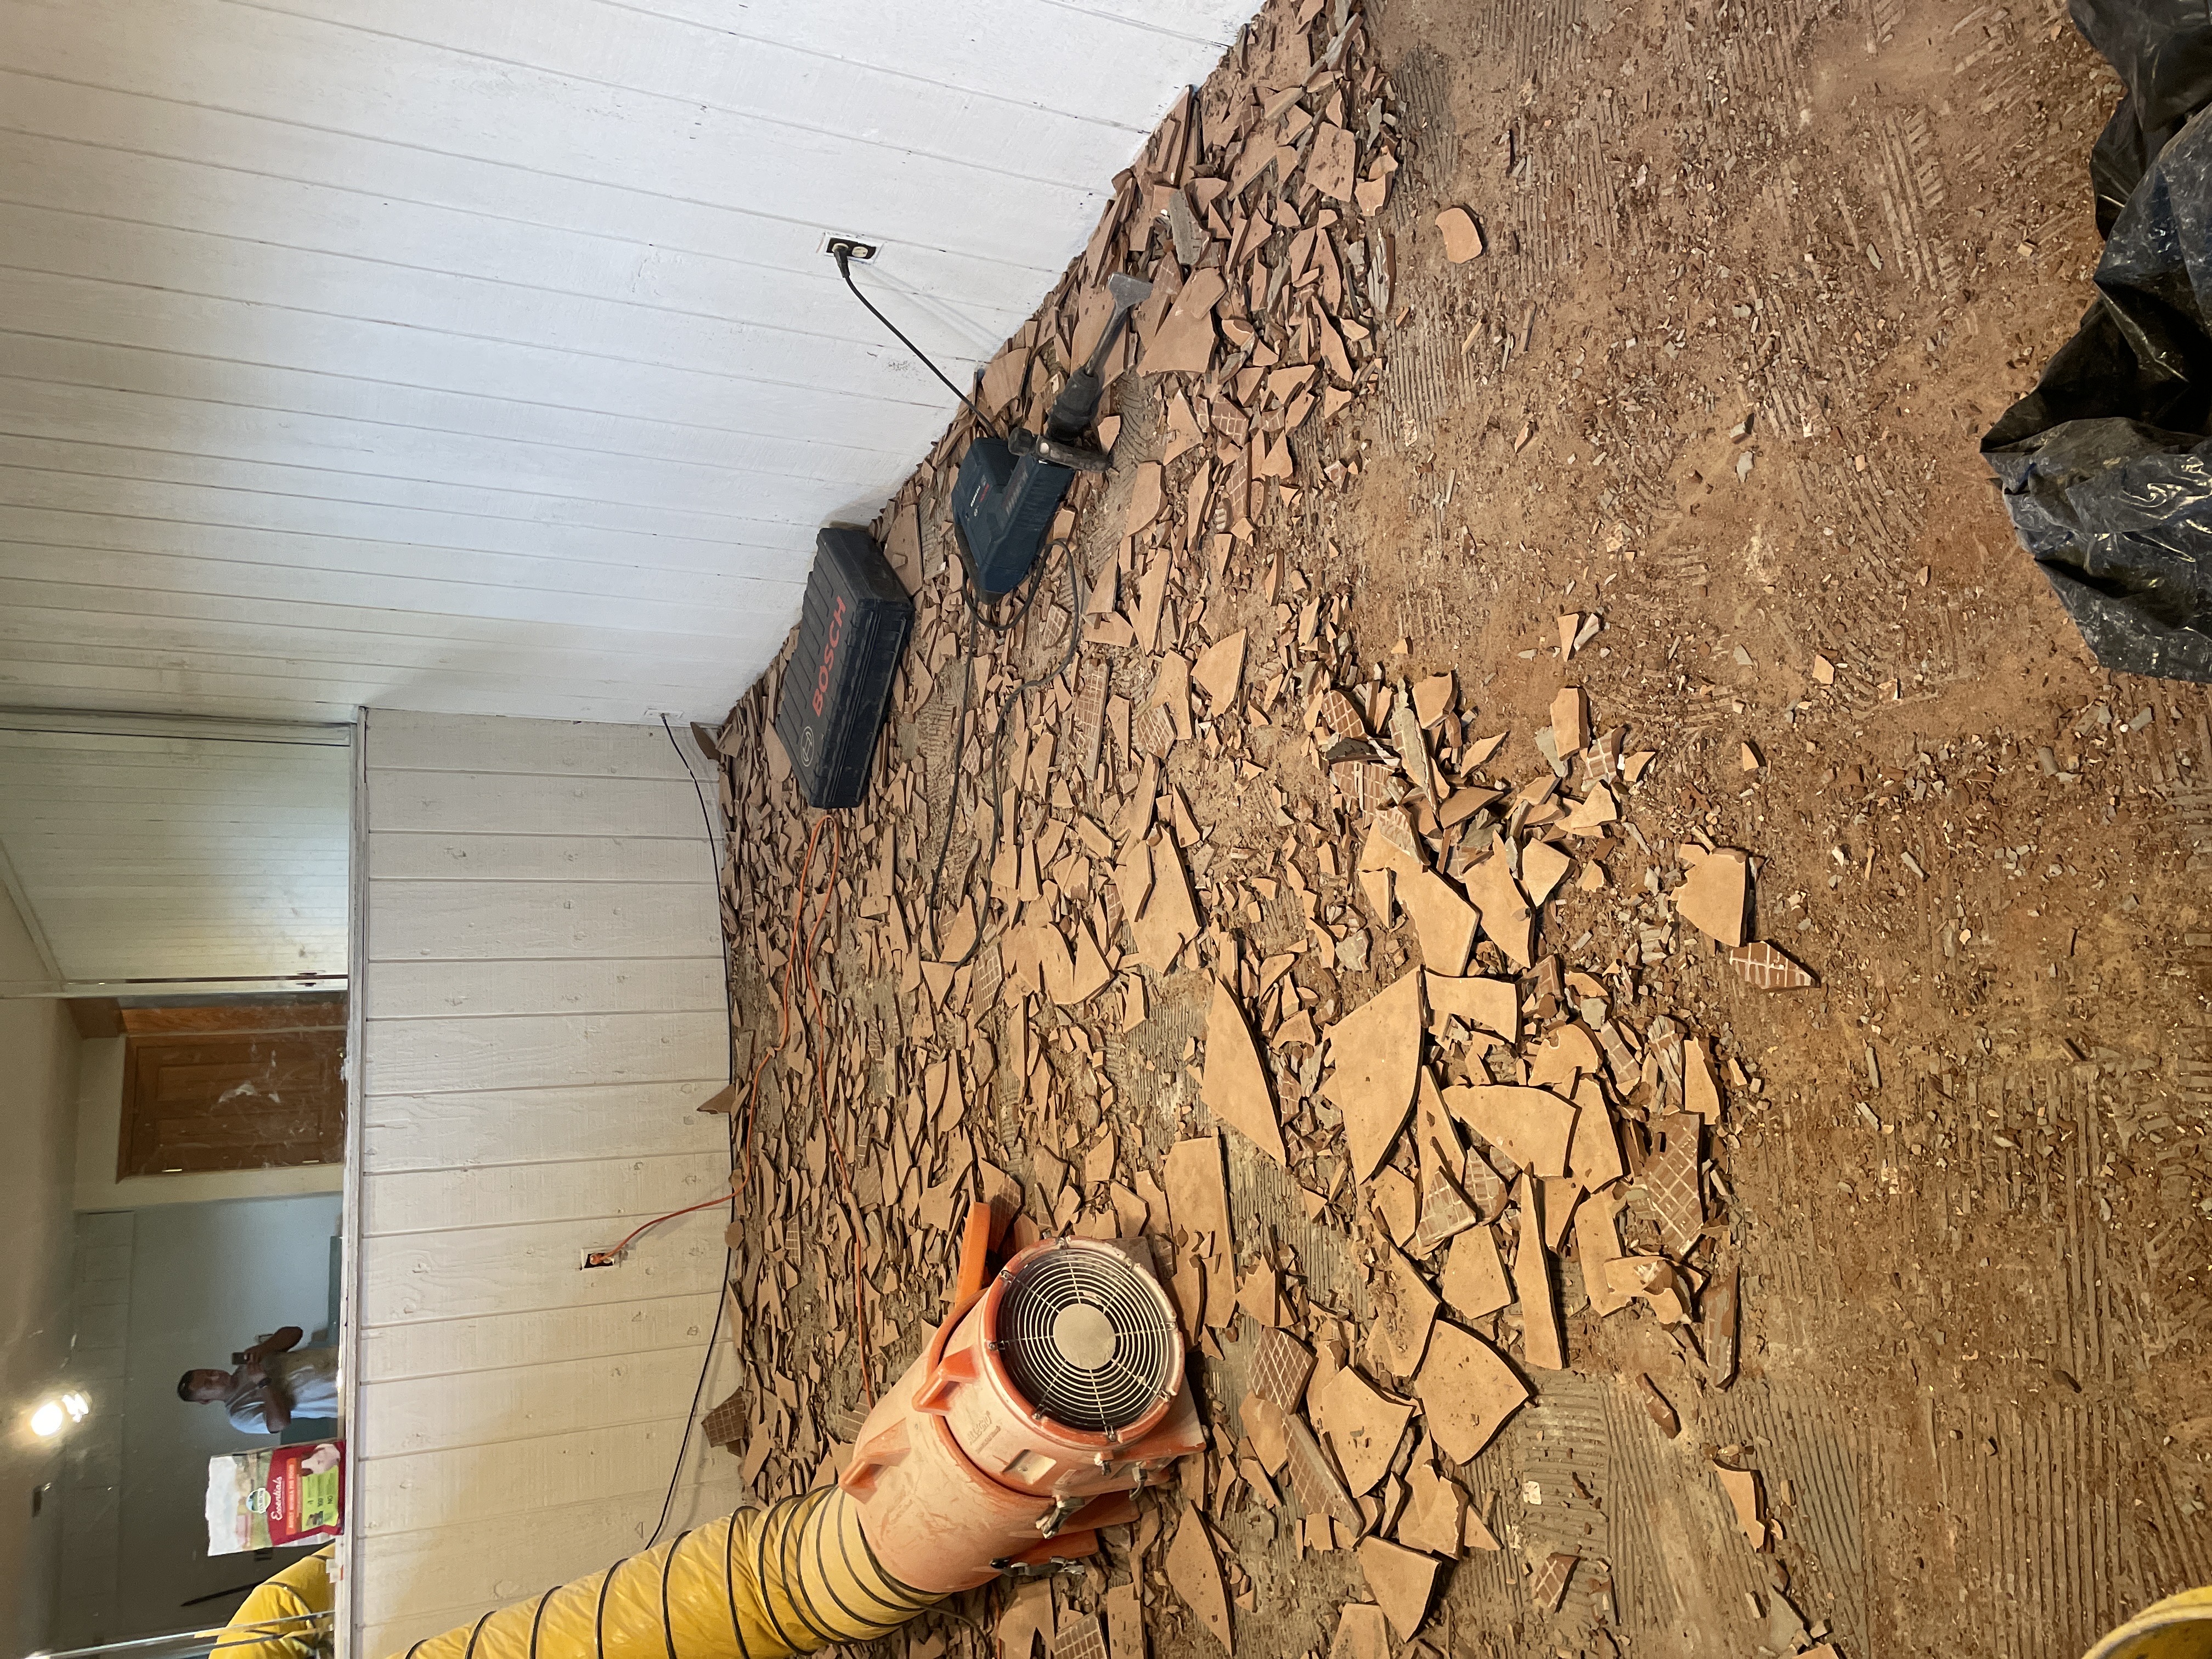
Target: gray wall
[202, 1281]
[38, 1110]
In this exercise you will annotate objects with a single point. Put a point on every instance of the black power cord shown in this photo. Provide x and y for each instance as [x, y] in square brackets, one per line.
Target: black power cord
[845, 269]
[730, 1056]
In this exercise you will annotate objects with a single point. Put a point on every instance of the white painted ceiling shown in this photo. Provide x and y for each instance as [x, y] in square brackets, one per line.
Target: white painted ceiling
[481, 357]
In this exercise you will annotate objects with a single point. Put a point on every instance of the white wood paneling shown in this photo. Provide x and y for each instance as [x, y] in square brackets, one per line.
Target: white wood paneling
[452, 1348]
[544, 1012]
[459, 1571]
[141, 853]
[416, 990]
[463, 356]
[570, 1120]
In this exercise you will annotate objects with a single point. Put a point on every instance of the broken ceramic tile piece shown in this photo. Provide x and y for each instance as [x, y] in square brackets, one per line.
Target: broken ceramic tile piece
[1219, 672]
[1466, 1391]
[1406, 738]
[1670, 1175]
[1432, 697]
[1435, 1516]
[1570, 719]
[1593, 1158]
[1027, 1615]
[1766, 968]
[1542, 1344]
[1377, 1052]
[1533, 1126]
[1445, 922]
[1566, 1054]
[1700, 1089]
[1462, 242]
[1362, 1633]
[1405, 1310]
[1234, 1085]
[1360, 1424]
[1542, 866]
[1195, 1572]
[1593, 813]
[1197, 1191]
[1473, 1280]
[1748, 1499]
[1715, 895]
[1321, 1489]
[1719, 1303]
[1654, 1404]
[1403, 1580]
[1281, 1367]
[1505, 915]
[1597, 1247]
[1548, 1585]
[1491, 1005]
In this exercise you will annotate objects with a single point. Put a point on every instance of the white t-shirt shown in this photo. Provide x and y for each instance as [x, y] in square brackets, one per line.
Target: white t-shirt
[307, 1377]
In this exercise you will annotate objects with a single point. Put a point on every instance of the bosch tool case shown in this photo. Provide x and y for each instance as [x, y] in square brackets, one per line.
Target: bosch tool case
[851, 628]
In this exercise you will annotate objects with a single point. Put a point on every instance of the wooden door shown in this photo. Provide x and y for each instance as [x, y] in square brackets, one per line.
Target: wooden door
[230, 1099]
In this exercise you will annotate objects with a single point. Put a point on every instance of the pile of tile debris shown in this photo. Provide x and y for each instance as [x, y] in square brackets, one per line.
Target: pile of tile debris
[1485, 1129]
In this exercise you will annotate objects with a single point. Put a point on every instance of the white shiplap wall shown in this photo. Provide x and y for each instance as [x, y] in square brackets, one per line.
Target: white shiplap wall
[544, 1013]
[161, 849]
[466, 355]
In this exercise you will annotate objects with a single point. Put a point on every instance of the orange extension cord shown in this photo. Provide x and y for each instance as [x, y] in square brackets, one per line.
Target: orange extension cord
[818, 1030]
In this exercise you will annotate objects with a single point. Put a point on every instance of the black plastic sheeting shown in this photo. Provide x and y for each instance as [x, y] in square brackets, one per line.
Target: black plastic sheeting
[2107, 464]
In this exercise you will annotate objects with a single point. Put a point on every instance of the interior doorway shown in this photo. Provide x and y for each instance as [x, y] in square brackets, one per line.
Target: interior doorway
[175, 934]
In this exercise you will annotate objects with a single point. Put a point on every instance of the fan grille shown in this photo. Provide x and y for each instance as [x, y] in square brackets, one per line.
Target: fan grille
[1086, 1338]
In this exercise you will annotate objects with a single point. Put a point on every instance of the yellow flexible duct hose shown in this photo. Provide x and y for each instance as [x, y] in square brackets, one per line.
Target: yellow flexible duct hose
[287, 1602]
[758, 1584]
[2179, 1627]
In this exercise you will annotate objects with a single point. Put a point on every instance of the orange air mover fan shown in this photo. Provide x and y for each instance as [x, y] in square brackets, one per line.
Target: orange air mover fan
[1048, 1396]
[1053, 1392]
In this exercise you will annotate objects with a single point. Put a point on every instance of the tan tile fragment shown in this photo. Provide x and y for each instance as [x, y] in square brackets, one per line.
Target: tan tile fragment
[1748, 1499]
[1405, 1310]
[1473, 1280]
[1360, 1424]
[1377, 1052]
[1533, 1126]
[1466, 1392]
[1219, 672]
[1195, 1573]
[1543, 867]
[1462, 237]
[1403, 1581]
[1542, 1343]
[1234, 1085]
[1701, 1091]
[1766, 968]
[1715, 895]
[1362, 1633]
[1570, 721]
[1491, 1005]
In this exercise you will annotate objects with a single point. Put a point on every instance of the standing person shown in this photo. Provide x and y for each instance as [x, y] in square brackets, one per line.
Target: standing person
[276, 1379]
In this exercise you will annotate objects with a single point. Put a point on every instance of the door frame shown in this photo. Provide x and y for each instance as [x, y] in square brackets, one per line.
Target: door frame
[346, 1555]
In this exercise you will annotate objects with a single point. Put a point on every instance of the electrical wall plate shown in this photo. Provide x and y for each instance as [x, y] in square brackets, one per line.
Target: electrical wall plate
[851, 247]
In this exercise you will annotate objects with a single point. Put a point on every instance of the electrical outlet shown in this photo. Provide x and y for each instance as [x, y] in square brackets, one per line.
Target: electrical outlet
[851, 247]
[601, 1259]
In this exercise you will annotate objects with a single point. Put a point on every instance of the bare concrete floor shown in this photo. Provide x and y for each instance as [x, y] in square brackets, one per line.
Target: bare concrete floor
[1757, 278]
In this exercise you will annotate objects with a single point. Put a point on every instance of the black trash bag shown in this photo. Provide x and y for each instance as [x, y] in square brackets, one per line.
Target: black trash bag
[2107, 464]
